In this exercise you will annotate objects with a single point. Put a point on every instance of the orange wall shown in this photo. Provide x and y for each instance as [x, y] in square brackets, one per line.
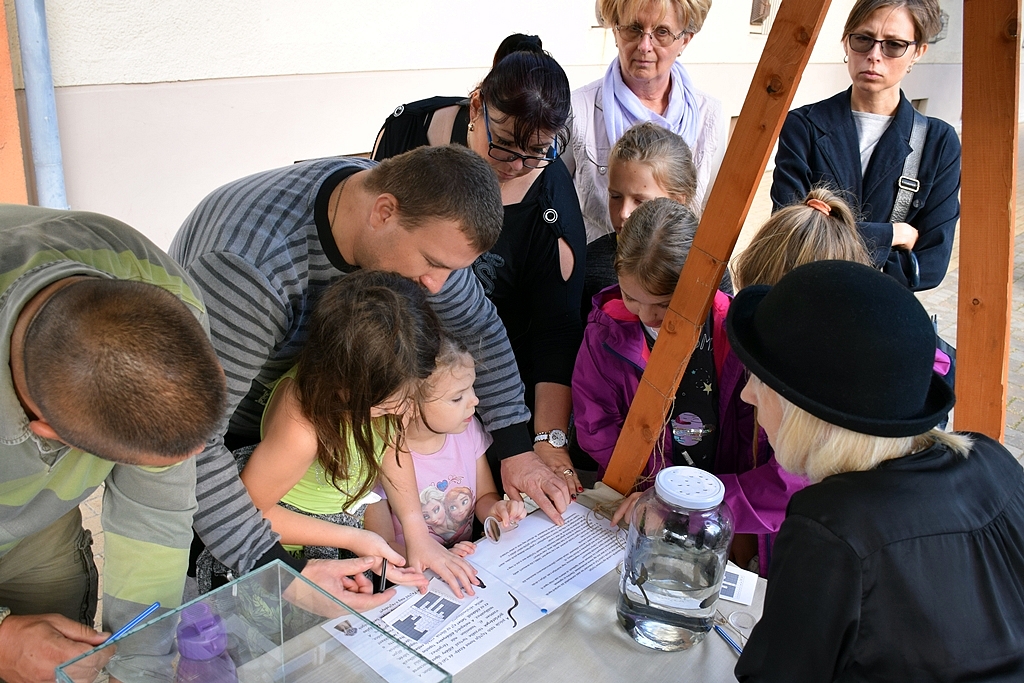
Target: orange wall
[12, 161]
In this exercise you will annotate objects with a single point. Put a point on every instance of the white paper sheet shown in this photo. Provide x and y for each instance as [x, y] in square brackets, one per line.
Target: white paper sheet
[552, 564]
[534, 569]
[475, 625]
[738, 585]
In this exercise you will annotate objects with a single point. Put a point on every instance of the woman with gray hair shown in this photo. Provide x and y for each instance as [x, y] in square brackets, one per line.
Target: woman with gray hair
[645, 82]
[903, 562]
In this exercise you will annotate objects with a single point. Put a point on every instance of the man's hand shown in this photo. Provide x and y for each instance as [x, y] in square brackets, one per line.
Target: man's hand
[33, 646]
[344, 580]
[527, 473]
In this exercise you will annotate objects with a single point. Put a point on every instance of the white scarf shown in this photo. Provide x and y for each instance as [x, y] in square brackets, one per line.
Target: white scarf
[623, 109]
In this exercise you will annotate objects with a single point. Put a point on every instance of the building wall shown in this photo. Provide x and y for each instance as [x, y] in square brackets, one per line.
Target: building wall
[160, 102]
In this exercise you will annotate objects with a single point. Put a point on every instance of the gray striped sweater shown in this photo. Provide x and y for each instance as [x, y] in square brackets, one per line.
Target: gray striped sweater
[255, 249]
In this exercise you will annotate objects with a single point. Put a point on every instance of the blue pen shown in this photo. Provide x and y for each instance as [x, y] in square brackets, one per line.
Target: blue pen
[732, 643]
[134, 622]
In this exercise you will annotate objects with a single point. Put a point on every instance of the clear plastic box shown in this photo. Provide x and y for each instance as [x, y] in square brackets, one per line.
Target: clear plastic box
[274, 621]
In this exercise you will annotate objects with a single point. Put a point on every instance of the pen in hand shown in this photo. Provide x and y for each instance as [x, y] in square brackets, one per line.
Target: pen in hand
[381, 582]
[134, 622]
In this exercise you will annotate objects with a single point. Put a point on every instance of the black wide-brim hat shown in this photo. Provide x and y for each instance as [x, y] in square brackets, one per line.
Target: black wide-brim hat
[847, 344]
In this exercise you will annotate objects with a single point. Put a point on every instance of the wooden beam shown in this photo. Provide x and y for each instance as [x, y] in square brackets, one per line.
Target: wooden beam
[13, 187]
[785, 55]
[991, 73]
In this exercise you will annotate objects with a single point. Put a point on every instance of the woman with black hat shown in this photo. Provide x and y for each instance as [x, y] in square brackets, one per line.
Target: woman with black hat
[904, 562]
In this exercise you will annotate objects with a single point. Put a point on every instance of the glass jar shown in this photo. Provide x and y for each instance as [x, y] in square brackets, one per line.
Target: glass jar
[678, 546]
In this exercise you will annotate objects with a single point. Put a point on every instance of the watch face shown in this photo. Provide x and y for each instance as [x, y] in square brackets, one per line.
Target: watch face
[556, 437]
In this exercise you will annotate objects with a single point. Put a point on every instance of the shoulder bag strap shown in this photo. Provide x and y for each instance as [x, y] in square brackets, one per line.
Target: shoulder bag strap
[908, 184]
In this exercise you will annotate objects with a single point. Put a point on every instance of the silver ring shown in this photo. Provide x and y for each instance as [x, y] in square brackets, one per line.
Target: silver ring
[567, 472]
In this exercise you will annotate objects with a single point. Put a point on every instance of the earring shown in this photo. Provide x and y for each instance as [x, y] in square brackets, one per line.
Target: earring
[846, 59]
[910, 68]
[471, 128]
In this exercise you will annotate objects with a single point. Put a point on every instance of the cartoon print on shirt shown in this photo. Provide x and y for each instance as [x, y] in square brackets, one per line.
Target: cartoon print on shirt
[459, 504]
[688, 429]
[486, 270]
[448, 510]
[432, 502]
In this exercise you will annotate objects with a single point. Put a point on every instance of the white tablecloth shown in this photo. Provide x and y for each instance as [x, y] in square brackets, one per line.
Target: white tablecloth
[582, 642]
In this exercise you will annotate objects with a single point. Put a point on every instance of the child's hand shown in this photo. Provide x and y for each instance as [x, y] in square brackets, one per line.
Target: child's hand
[368, 544]
[453, 570]
[509, 511]
[625, 508]
[464, 548]
[407, 576]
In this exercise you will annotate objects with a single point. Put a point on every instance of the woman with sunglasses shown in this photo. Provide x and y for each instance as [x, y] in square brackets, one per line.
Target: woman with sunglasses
[859, 140]
[517, 120]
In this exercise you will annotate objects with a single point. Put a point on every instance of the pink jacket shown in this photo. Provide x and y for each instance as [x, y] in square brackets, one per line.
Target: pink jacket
[605, 379]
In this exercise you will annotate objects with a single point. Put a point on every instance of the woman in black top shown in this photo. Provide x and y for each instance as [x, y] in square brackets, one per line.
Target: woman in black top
[902, 561]
[517, 120]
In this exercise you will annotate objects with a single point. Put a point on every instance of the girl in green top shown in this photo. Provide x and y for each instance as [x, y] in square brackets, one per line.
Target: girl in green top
[334, 424]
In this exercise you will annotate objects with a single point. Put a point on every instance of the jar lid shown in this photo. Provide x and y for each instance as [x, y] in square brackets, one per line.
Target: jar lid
[689, 487]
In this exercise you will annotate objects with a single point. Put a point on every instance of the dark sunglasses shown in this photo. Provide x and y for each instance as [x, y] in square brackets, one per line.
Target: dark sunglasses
[890, 48]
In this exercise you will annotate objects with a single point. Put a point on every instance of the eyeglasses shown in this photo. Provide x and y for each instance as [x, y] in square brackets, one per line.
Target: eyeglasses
[890, 48]
[661, 35]
[499, 153]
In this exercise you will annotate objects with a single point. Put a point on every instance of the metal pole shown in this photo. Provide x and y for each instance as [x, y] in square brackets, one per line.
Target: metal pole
[42, 108]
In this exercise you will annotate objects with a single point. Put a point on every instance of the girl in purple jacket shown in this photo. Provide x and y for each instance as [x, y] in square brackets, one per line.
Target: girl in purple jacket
[720, 432]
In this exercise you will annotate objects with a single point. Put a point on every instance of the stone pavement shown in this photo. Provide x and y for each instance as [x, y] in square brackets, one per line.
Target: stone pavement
[941, 301]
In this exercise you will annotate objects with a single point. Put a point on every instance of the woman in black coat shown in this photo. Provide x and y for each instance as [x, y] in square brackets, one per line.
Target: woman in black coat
[903, 560]
[857, 142]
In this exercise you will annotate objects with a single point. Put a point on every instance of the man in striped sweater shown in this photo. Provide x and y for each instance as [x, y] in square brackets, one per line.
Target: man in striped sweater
[263, 248]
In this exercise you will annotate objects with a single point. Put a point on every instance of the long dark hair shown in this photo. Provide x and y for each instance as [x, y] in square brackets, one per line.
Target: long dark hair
[529, 85]
[372, 335]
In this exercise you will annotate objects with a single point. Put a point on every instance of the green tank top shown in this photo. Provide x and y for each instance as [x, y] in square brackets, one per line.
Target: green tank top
[314, 493]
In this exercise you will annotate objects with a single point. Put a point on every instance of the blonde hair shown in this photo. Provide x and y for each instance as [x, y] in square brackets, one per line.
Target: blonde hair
[654, 243]
[810, 446]
[799, 234]
[431, 493]
[666, 154]
[690, 13]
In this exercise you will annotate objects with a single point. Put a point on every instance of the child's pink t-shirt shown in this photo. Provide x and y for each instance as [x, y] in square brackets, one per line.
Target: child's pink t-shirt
[446, 481]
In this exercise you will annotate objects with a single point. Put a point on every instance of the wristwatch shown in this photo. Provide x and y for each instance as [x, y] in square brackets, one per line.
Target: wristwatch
[556, 437]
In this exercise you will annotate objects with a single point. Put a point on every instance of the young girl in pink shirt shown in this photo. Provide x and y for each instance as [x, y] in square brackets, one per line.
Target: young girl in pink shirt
[448, 447]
